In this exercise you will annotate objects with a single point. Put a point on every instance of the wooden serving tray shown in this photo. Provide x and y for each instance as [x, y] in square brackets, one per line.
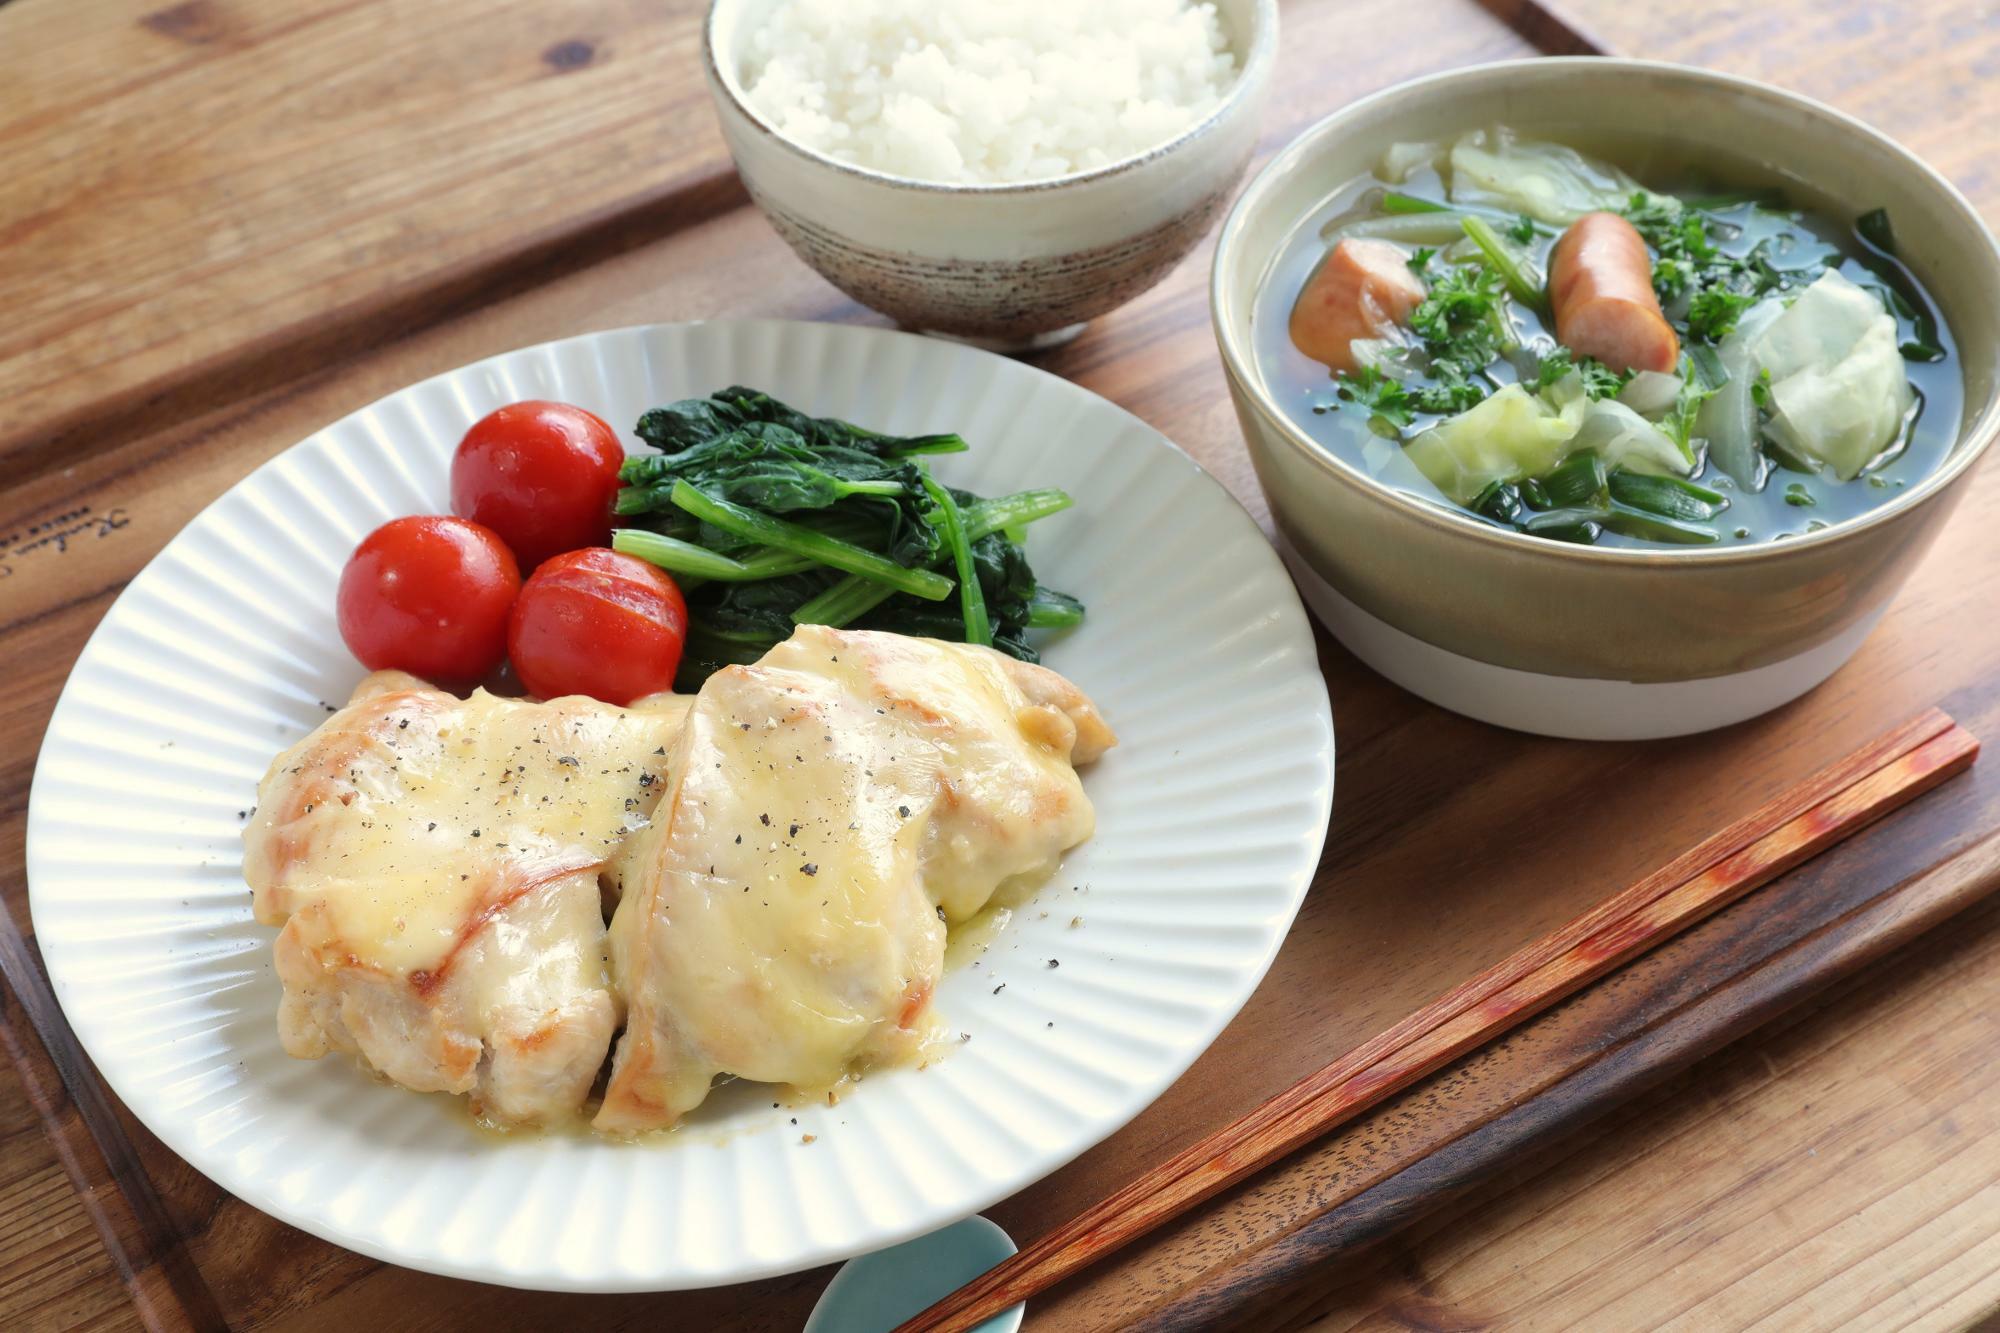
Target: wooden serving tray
[1453, 843]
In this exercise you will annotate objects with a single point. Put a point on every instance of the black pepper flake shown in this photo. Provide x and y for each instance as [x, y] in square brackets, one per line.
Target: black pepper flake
[433, 828]
[1054, 963]
[792, 832]
[903, 810]
[997, 989]
[475, 833]
[809, 869]
[739, 840]
[661, 750]
[746, 727]
[765, 820]
[403, 724]
[568, 761]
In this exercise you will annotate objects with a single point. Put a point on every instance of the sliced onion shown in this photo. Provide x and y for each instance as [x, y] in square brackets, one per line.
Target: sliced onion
[1402, 159]
[1728, 420]
[1650, 392]
[1409, 228]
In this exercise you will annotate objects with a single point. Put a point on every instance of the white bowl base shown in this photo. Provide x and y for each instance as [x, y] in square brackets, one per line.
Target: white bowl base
[1572, 707]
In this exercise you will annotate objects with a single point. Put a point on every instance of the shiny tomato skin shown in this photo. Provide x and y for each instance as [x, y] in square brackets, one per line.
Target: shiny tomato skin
[598, 623]
[429, 595]
[543, 475]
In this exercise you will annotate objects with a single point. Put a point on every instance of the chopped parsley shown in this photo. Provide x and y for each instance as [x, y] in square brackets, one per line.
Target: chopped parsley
[1679, 422]
[1599, 380]
[1386, 399]
[1713, 312]
[1689, 265]
[1462, 319]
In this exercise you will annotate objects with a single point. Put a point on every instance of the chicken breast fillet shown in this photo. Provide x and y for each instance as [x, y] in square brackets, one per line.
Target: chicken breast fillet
[435, 865]
[828, 811]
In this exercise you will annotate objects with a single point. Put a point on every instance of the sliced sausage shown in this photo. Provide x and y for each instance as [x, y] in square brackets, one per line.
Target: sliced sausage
[1601, 285]
[1363, 289]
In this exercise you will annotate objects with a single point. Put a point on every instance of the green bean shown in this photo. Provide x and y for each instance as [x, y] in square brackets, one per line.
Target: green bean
[1576, 481]
[1581, 525]
[1651, 527]
[1669, 497]
[1499, 502]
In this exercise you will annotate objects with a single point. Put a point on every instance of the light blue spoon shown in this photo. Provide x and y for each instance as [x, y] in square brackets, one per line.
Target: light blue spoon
[876, 1292]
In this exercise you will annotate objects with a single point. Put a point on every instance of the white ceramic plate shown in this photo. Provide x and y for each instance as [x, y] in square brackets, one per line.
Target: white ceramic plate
[1211, 814]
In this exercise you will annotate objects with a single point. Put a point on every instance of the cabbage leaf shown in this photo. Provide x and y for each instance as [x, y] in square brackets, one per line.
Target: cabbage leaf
[1838, 389]
[1549, 182]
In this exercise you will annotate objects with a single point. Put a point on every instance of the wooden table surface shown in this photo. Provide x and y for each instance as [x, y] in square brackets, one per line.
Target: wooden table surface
[224, 222]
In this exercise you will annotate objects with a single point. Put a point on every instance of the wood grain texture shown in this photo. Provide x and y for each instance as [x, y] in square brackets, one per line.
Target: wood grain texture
[1828, 807]
[204, 195]
[1836, 1170]
[1440, 861]
[55, 1271]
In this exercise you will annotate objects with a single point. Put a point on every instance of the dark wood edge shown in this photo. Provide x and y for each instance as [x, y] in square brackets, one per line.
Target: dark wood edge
[103, 1165]
[1546, 29]
[1262, 1290]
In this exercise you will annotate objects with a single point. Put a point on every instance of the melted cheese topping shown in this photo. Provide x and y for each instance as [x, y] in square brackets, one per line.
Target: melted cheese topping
[830, 809]
[411, 819]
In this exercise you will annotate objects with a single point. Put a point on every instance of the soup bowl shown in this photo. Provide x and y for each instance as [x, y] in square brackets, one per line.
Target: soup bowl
[1587, 641]
[1010, 266]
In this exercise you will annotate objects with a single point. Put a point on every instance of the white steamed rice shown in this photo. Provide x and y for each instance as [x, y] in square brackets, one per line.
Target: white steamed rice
[987, 90]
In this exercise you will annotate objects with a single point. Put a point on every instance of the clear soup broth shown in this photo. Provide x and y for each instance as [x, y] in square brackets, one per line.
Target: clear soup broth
[1755, 418]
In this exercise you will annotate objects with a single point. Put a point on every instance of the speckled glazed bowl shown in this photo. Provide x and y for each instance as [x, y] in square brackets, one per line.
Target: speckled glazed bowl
[1580, 640]
[1010, 266]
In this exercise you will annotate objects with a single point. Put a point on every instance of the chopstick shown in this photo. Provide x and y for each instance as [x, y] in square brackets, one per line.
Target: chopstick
[1833, 804]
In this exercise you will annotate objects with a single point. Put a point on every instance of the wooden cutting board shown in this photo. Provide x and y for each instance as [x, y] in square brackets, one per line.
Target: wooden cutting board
[1453, 843]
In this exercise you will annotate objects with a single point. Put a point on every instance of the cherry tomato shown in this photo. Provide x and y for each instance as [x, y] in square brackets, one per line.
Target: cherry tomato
[429, 596]
[598, 623]
[542, 475]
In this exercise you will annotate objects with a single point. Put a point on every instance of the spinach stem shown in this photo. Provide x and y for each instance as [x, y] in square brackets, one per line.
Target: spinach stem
[852, 598]
[1520, 285]
[815, 546]
[685, 558]
[676, 556]
[971, 597]
[1394, 201]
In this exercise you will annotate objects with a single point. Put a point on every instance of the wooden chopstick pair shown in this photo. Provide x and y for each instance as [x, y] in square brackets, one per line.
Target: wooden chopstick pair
[1833, 804]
